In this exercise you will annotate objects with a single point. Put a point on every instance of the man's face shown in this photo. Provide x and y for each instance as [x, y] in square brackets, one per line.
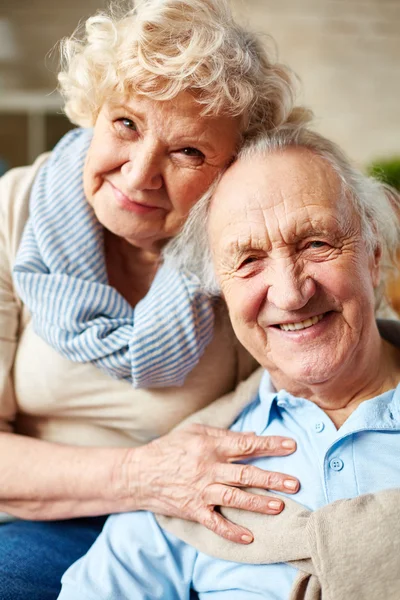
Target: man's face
[293, 267]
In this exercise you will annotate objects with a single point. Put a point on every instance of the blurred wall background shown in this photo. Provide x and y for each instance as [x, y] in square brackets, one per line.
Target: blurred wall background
[31, 119]
[346, 52]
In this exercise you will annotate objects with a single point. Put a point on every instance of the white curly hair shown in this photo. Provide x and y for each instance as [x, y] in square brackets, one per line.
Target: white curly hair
[160, 48]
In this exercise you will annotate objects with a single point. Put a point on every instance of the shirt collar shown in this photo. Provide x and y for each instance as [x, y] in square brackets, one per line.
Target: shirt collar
[268, 397]
[381, 412]
[267, 394]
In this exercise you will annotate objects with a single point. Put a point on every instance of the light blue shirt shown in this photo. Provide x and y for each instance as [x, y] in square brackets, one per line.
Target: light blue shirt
[134, 559]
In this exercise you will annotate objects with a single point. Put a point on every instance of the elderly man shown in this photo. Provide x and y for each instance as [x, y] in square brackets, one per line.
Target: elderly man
[300, 243]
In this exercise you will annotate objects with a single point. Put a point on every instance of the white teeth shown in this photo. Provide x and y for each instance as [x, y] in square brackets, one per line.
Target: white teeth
[301, 325]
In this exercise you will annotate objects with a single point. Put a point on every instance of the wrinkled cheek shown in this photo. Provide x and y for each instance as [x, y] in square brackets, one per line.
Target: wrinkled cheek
[254, 301]
[248, 332]
[172, 223]
[245, 303]
[184, 197]
[91, 180]
[94, 185]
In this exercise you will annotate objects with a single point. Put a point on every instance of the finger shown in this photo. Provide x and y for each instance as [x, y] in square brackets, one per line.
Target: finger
[250, 476]
[237, 445]
[224, 495]
[224, 528]
[244, 441]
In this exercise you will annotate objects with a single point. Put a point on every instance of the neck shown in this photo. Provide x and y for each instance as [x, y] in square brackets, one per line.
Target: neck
[127, 253]
[370, 373]
[130, 269]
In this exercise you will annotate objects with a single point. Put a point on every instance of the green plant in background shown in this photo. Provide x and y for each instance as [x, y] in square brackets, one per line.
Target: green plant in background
[386, 170]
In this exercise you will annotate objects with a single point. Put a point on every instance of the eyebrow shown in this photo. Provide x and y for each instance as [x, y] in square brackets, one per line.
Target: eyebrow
[238, 248]
[129, 109]
[310, 232]
[192, 139]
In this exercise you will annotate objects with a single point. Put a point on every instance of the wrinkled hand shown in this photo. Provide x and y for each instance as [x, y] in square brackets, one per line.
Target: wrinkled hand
[189, 472]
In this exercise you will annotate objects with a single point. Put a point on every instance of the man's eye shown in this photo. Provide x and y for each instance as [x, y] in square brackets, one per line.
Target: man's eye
[248, 261]
[192, 152]
[316, 244]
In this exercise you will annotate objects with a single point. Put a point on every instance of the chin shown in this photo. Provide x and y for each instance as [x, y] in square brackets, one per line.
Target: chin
[311, 371]
[120, 225]
[312, 379]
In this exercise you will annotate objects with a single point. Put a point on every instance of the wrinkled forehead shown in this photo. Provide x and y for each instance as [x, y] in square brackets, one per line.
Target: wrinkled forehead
[285, 191]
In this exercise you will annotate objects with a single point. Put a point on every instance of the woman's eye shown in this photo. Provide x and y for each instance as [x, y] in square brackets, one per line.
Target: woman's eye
[128, 124]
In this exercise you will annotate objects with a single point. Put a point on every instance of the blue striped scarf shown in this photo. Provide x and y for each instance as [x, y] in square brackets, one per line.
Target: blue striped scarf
[60, 275]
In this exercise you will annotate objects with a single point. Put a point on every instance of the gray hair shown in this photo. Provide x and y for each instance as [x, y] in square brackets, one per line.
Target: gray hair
[377, 205]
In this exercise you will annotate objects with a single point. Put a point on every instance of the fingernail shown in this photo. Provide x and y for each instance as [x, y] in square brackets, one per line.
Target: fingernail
[275, 504]
[290, 484]
[247, 539]
[289, 444]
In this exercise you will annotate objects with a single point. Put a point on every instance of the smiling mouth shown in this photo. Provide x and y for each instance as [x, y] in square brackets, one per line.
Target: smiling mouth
[132, 205]
[302, 324]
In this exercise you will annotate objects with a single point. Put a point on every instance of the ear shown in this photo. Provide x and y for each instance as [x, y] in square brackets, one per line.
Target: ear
[375, 266]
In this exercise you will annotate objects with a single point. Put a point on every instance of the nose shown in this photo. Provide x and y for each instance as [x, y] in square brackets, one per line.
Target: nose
[143, 170]
[290, 288]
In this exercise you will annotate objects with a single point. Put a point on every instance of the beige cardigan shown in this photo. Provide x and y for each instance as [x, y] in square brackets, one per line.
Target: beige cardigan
[347, 550]
[46, 396]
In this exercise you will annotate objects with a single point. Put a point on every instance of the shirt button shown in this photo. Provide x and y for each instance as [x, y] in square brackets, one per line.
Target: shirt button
[319, 427]
[336, 464]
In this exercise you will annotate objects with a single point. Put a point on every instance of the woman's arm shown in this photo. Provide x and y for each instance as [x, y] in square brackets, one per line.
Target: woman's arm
[185, 473]
[43, 481]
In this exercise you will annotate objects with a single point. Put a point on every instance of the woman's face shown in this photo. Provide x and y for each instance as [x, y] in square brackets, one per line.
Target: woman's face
[150, 161]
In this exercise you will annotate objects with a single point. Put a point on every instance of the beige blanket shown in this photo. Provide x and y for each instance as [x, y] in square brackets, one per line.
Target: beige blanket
[348, 550]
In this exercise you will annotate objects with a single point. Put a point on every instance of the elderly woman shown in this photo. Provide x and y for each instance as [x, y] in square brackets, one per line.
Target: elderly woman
[103, 348]
[300, 243]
